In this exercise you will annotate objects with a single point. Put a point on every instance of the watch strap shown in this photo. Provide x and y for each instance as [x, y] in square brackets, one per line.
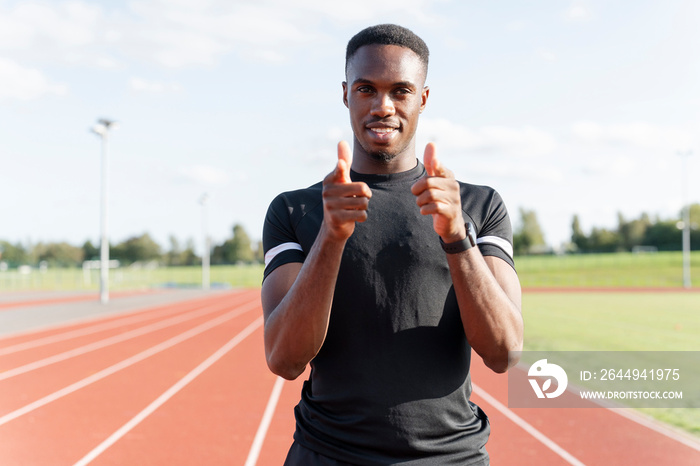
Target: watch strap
[462, 245]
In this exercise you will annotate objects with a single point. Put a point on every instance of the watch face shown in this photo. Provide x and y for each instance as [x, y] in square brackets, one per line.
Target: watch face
[471, 235]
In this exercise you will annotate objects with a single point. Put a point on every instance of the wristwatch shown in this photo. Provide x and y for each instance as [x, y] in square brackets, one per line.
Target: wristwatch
[463, 245]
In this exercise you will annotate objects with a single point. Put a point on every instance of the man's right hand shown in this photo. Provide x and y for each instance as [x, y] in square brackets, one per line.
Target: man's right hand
[344, 201]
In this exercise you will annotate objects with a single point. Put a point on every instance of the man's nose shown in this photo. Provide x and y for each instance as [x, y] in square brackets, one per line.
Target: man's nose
[383, 106]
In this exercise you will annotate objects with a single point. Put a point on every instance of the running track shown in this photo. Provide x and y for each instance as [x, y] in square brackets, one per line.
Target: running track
[187, 384]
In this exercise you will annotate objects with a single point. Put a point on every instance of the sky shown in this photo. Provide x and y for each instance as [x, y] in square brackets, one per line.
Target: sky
[564, 107]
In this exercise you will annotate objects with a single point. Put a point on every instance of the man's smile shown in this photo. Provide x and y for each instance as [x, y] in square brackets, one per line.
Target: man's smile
[382, 132]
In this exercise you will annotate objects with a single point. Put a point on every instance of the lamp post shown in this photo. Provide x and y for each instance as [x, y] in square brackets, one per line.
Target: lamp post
[205, 254]
[102, 130]
[686, 219]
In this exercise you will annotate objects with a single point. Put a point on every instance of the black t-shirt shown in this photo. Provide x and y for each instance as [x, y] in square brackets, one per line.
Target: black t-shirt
[391, 382]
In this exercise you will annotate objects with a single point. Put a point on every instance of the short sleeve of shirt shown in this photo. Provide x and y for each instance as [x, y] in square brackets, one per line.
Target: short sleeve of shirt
[280, 243]
[488, 213]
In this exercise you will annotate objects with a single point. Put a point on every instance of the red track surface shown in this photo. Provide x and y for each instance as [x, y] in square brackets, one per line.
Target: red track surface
[187, 384]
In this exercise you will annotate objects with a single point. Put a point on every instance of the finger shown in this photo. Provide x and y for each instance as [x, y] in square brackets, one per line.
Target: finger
[333, 188]
[344, 162]
[429, 196]
[348, 216]
[433, 166]
[430, 159]
[347, 203]
[428, 183]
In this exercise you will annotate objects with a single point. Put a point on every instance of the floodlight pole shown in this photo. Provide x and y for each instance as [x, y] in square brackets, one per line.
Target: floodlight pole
[205, 253]
[102, 129]
[686, 219]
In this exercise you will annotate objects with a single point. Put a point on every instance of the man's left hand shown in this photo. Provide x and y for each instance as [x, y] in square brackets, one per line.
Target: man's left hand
[437, 194]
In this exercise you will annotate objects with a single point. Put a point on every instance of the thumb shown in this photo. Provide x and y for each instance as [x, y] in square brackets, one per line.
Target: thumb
[342, 170]
[433, 167]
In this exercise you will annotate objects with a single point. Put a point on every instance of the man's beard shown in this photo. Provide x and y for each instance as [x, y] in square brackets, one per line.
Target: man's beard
[383, 156]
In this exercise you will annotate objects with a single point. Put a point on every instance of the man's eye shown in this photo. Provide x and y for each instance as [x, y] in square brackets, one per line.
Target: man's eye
[364, 89]
[403, 90]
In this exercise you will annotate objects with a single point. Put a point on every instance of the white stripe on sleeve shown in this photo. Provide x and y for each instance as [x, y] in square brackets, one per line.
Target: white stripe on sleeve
[497, 241]
[280, 248]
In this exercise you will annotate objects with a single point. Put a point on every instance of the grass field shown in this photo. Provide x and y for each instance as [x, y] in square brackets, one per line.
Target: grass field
[649, 270]
[617, 321]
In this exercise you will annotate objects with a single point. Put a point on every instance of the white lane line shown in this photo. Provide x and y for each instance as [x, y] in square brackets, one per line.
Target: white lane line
[126, 363]
[265, 423]
[123, 430]
[111, 341]
[520, 422]
[142, 315]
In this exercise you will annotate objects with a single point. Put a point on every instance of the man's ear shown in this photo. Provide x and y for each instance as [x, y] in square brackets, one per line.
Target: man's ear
[345, 93]
[424, 98]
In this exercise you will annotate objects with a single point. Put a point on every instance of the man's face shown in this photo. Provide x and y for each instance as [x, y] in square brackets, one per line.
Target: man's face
[385, 93]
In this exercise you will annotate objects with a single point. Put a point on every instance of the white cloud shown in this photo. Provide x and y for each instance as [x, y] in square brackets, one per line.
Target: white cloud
[522, 141]
[154, 87]
[40, 25]
[547, 55]
[335, 133]
[523, 172]
[516, 25]
[191, 33]
[618, 166]
[185, 33]
[368, 11]
[204, 174]
[578, 12]
[107, 63]
[17, 82]
[635, 134]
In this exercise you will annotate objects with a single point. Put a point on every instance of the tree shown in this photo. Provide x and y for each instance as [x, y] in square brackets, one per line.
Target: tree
[632, 233]
[695, 216]
[528, 237]
[664, 235]
[235, 249]
[90, 252]
[14, 254]
[188, 256]
[260, 253]
[136, 249]
[172, 257]
[603, 240]
[242, 245]
[59, 254]
[578, 237]
[178, 256]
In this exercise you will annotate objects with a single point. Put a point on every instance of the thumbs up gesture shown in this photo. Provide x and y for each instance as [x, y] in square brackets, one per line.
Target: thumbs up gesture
[344, 201]
[438, 194]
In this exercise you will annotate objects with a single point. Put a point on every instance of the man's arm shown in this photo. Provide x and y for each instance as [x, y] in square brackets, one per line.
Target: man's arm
[487, 288]
[297, 297]
[488, 294]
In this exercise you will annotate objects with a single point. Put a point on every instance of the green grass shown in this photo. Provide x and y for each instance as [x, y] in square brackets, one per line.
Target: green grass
[609, 321]
[130, 278]
[662, 269]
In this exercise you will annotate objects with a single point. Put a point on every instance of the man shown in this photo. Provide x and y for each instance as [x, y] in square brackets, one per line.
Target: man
[371, 277]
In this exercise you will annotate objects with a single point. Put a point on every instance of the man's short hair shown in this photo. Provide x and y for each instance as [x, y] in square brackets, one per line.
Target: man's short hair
[388, 34]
